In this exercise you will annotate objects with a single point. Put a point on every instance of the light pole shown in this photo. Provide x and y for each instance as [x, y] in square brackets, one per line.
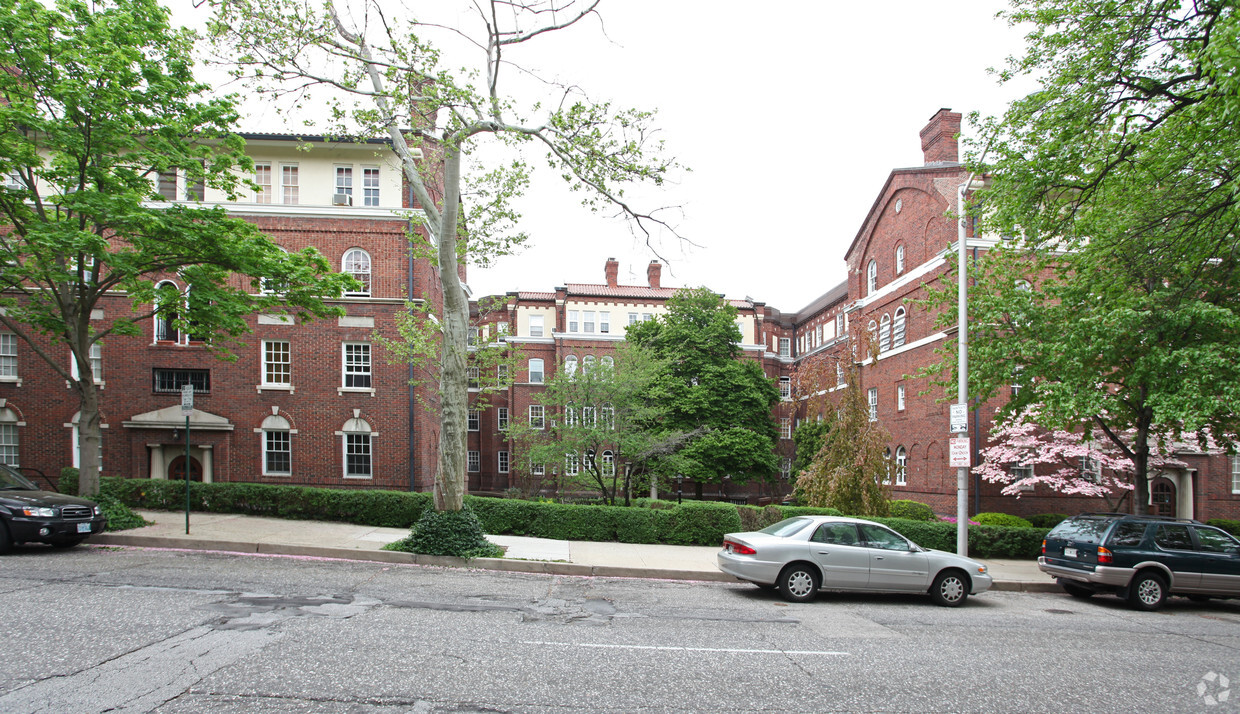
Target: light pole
[962, 372]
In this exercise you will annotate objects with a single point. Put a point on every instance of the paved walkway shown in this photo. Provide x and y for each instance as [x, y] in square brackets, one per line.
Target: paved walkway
[252, 534]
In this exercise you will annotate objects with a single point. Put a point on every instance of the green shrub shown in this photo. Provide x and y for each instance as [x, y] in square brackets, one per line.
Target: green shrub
[454, 533]
[1046, 520]
[984, 541]
[792, 511]
[1001, 519]
[910, 510]
[1232, 527]
[697, 523]
[68, 481]
[928, 534]
[120, 516]
[755, 518]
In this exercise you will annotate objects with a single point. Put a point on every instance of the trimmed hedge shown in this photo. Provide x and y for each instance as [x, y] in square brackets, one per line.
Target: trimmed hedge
[984, 541]
[1001, 519]
[1232, 527]
[910, 510]
[1046, 520]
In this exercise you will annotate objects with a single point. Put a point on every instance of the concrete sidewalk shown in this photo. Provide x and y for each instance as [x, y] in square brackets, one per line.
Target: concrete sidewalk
[251, 534]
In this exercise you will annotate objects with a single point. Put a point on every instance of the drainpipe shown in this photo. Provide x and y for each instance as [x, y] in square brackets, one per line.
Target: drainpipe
[413, 472]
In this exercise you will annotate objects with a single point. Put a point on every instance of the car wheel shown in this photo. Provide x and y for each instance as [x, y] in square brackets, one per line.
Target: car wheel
[1076, 590]
[798, 583]
[6, 543]
[950, 588]
[66, 543]
[1147, 591]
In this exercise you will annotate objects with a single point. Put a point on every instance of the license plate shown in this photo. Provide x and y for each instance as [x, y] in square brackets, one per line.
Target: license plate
[1069, 552]
[83, 528]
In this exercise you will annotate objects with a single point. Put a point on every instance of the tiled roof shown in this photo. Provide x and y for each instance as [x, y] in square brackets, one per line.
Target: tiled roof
[631, 291]
[530, 295]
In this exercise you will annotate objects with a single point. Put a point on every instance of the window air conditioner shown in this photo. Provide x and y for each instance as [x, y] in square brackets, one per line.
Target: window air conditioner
[342, 199]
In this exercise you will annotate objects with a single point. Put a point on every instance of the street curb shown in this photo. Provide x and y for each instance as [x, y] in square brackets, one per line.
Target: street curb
[537, 567]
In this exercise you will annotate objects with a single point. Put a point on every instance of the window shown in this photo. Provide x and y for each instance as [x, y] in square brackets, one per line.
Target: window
[536, 325]
[900, 397]
[887, 473]
[9, 447]
[570, 464]
[288, 183]
[501, 375]
[503, 461]
[536, 371]
[472, 338]
[96, 363]
[785, 468]
[572, 320]
[262, 177]
[277, 363]
[170, 381]
[472, 420]
[357, 365]
[632, 318]
[8, 355]
[873, 403]
[168, 308]
[884, 334]
[471, 377]
[1021, 474]
[785, 347]
[357, 264]
[501, 418]
[13, 181]
[1215, 541]
[785, 387]
[818, 335]
[197, 190]
[1091, 468]
[897, 328]
[1173, 537]
[839, 374]
[537, 469]
[474, 462]
[609, 464]
[168, 184]
[358, 443]
[899, 259]
[901, 466]
[344, 181]
[277, 446]
[570, 416]
[587, 364]
[646, 317]
[785, 428]
[871, 278]
[537, 420]
[841, 324]
[587, 321]
[1235, 473]
[604, 322]
[570, 366]
[370, 187]
[589, 417]
[609, 416]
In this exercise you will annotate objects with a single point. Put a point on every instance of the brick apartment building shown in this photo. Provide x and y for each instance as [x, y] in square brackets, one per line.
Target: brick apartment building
[312, 403]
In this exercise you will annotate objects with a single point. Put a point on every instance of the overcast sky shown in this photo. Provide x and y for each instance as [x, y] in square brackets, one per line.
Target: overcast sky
[790, 118]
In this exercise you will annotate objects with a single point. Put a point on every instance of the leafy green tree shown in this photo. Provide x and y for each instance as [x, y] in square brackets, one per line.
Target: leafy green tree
[711, 389]
[380, 75]
[851, 470]
[809, 439]
[610, 407]
[1115, 298]
[95, 101]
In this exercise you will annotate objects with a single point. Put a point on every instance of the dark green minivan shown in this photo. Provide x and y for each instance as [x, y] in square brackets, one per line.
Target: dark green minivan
[1143, 559]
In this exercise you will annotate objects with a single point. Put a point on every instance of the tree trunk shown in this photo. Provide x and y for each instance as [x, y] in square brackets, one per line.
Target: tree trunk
[453, 393]
[90, 434]
[1141, 460]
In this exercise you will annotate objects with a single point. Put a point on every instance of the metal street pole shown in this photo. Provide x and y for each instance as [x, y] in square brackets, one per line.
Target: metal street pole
[962, 383]
[187, 408]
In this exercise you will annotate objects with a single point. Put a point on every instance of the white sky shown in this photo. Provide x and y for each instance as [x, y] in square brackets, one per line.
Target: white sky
[790, 119]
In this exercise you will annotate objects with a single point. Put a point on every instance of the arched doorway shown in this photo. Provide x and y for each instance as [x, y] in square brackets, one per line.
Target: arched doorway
[176, 469]
[1162, 497]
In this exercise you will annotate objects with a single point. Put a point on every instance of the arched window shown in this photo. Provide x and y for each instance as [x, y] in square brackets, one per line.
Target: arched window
[357, 264]
[277, 439]
[570, 366]
[167, 310]
[587, 364]
[607, 362]
[609, 464]
[358, 440]
[887, 459]
[871, 278]
[570, 416]
[897, 328]
[609, 416]
[884, 334]
[10, 452]
[899, 259]
[901, 466]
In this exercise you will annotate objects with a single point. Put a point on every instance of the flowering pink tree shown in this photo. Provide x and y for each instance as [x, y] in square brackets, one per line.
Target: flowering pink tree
[1056, 458]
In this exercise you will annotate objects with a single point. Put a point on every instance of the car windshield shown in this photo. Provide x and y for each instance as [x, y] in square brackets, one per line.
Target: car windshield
[12, 480]
[1082, 530]
[788, 527]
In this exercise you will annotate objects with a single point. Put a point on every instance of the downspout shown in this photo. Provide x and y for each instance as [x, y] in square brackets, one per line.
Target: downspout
[413, 472]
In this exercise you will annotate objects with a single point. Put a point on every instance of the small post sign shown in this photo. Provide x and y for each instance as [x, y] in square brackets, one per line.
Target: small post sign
[958, 452]
[959, 418]
[187, 399]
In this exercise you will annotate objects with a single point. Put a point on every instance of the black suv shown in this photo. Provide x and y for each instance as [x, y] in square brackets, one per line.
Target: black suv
[28, 515]
[1143, 559]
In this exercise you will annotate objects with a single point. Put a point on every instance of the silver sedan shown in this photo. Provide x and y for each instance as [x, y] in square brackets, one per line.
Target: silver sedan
[800, 555]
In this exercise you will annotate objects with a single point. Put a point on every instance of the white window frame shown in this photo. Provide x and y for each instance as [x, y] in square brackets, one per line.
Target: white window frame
[609, 416]
[370, 185]
[871, 277]
[571, 464]
[473, 420]
[10, 438]
[353, 437]
[536, 362]
[901, 466]
[873, 398]
[501, 461]
[899, 327]
[290, 191]
[884, 333]
[1019, 473]
[570, 366]
[608, 464]
[352, 366]
[262, 177]
[604, 322]
[536, 325]
[839, 375]
[268, 452]
[785, 428]
[900, 397]
[1235, 473]
[589, 417]
[573, 321]
[899, 259]
[269, 368]
[473, 461]
[570, 416]
[501, 418]
[342, 176]
[8, 358]
[587, 321]
[164, 323]
[785, 347]
[357, 263]
[537, 416]
[785, 387]
[96, 364]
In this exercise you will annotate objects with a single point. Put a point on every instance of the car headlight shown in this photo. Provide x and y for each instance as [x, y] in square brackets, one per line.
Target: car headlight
[34, 512]
[981, 569]
[98, 511]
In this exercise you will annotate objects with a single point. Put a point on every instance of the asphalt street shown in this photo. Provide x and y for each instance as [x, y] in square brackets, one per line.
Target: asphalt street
[98, 629]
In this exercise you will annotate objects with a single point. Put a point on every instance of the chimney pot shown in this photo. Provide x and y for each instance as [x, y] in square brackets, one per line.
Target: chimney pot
[612, 272]
[938, 139]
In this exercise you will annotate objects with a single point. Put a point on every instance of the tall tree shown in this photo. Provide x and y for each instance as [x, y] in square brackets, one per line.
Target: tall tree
[96, 100]
[381, 75]
[711, 389]
[1115, 295]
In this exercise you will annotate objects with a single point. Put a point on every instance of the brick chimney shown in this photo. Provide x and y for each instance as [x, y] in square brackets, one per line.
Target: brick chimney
[938, 139]
[653, 271]
[612, 272]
